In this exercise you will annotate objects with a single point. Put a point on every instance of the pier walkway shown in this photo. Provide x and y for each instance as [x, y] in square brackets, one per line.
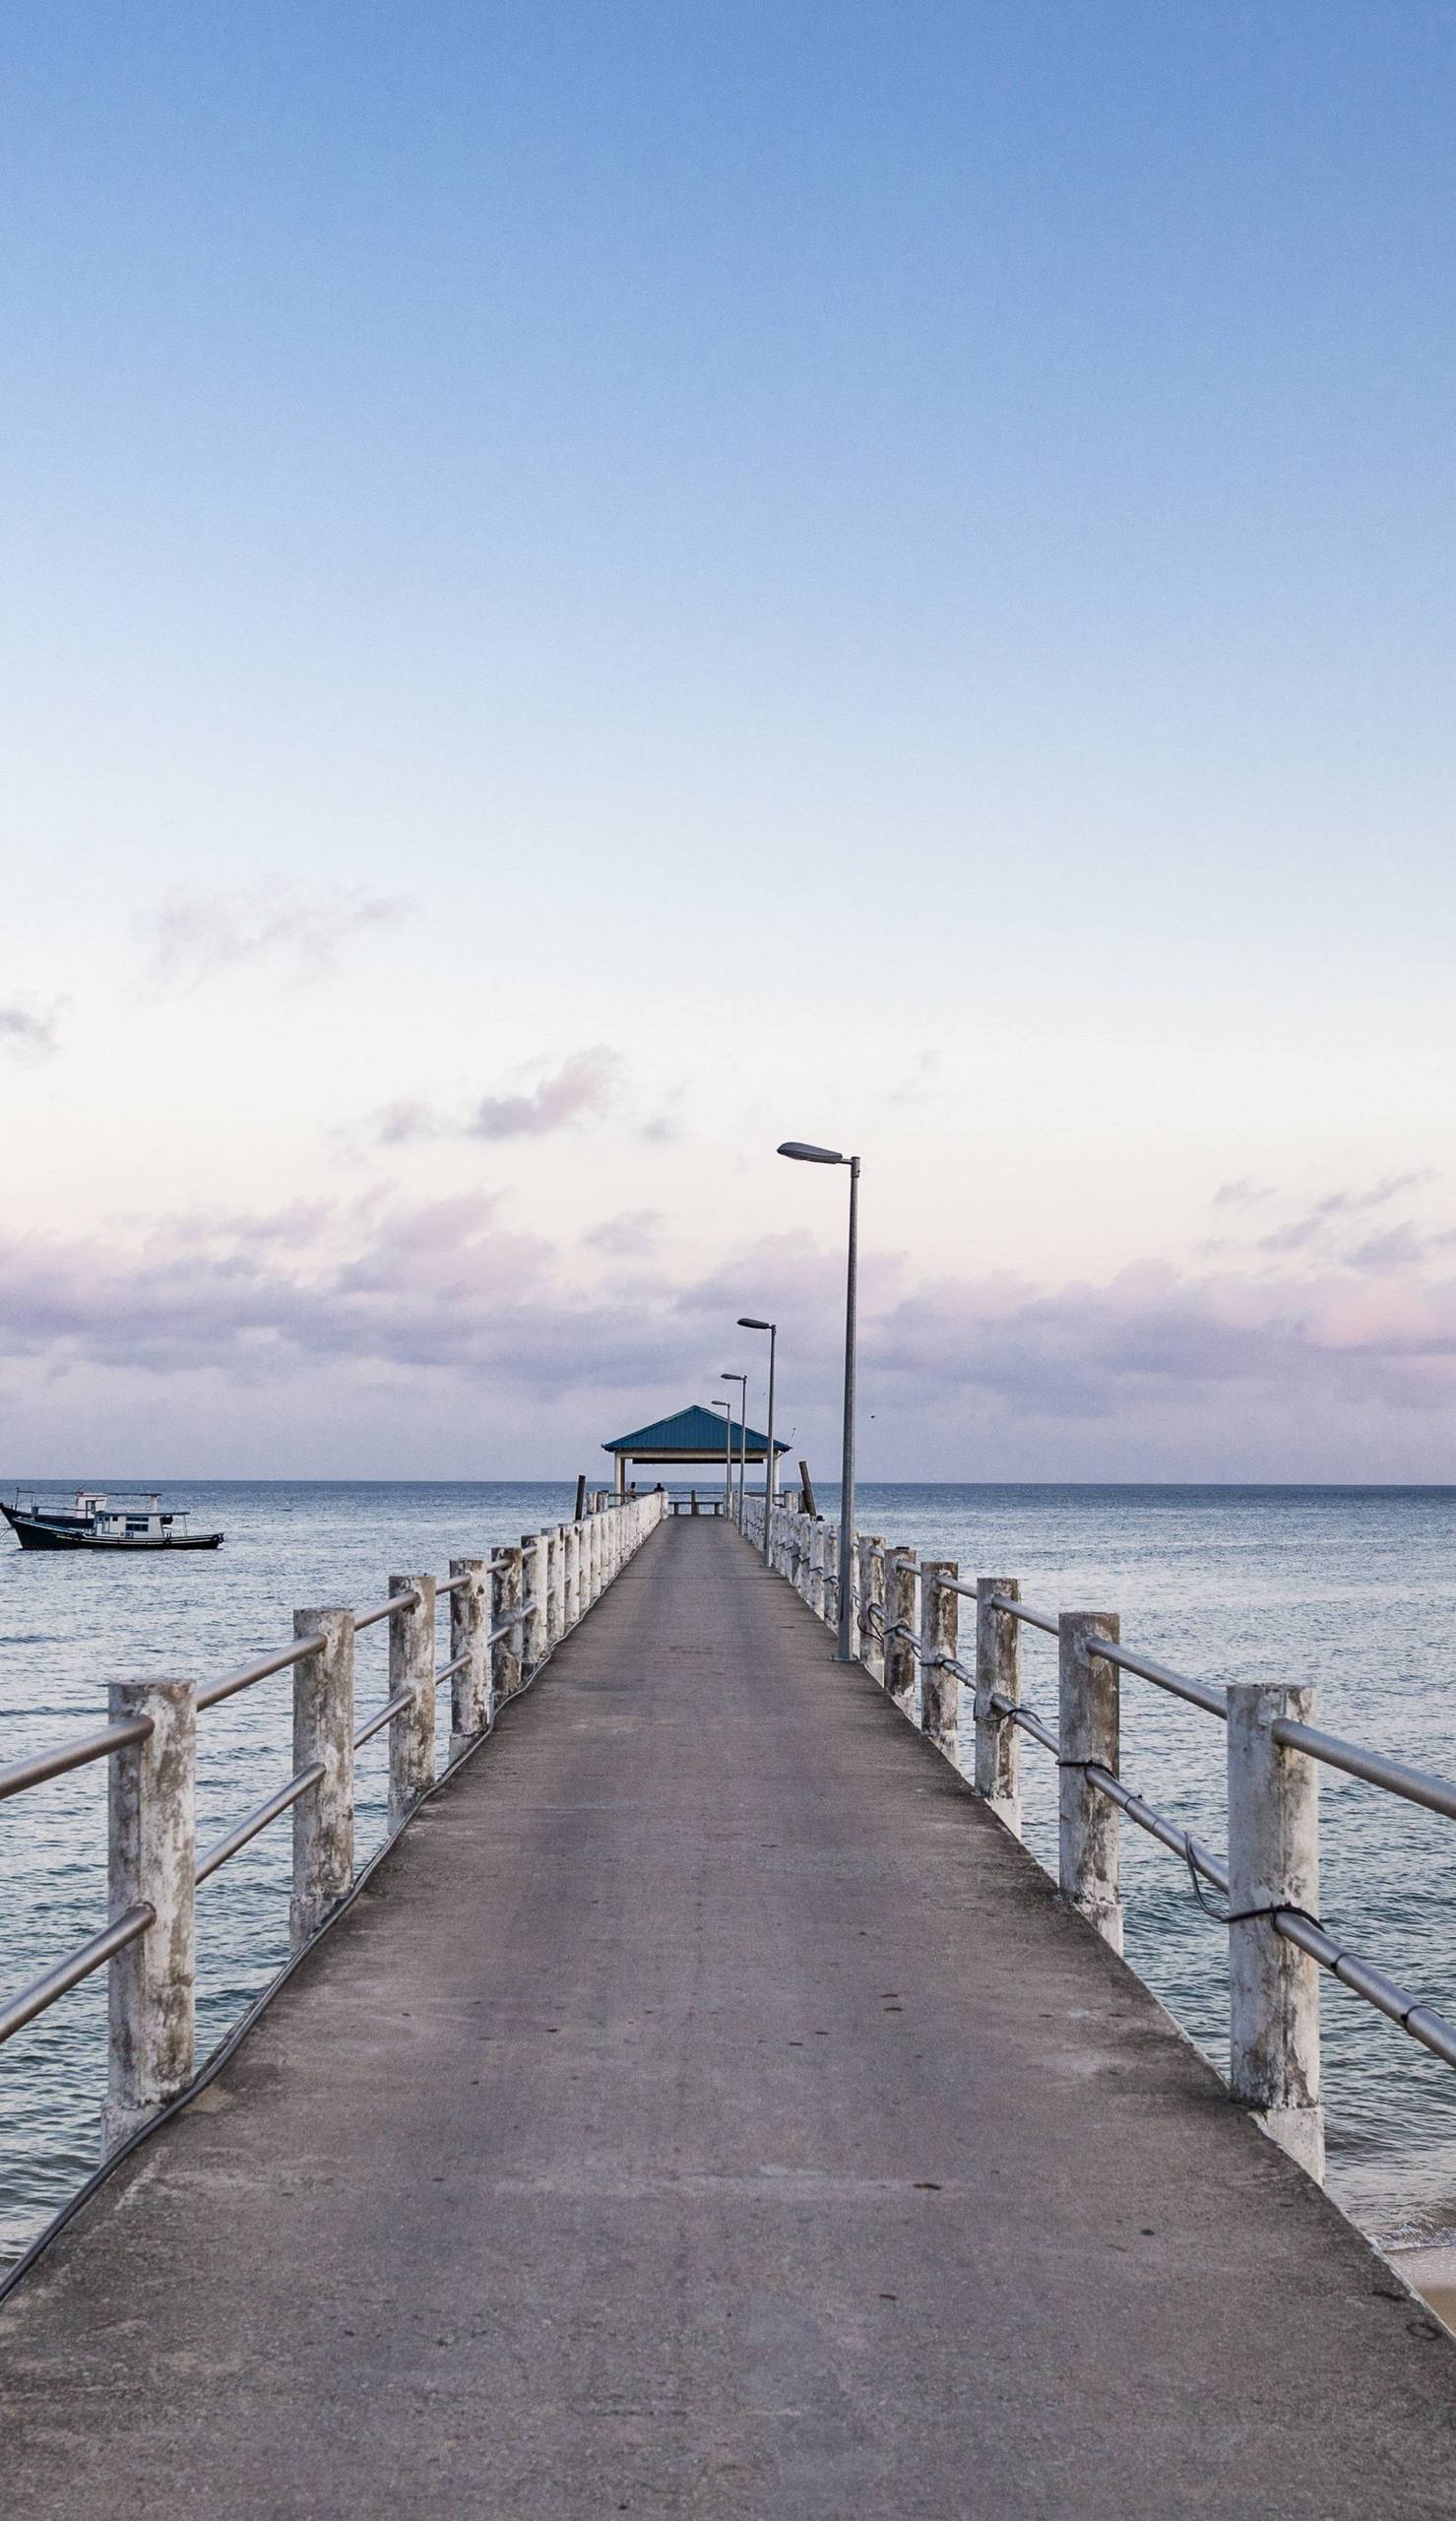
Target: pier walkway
[709, 2109]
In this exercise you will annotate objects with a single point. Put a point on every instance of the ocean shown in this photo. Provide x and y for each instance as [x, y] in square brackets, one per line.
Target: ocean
[1352, 1590]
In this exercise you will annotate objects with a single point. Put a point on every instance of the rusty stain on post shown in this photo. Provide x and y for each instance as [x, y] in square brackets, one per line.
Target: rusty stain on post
[1087, 1733]
[997, 1676]
[152, 1861]
[1273, 1863]
[940, 1690]
[471, 1708]
[505, 1598]
[900, 1607]
[412, 1667]
[323, 1736]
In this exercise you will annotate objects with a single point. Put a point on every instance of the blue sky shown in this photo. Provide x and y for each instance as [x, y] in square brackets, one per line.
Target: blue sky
[878, 572]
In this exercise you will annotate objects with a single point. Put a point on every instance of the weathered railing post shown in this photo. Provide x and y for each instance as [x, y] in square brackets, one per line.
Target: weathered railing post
[559, 1622]
[533, 1626]
[871, 1599]
[471, 1710]
[900, 1609]
[573, 1562]
[816, 1568]
[594, 1557]
[998, 1676]
[1273, 1863]
[1087, 1733]
[940, 1689]
[829, 1557]
[151, 1858]
[323, 1734]
[411, 1670]
[505, 1625]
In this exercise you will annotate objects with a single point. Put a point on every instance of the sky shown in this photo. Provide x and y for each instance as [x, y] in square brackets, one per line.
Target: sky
[591, 588]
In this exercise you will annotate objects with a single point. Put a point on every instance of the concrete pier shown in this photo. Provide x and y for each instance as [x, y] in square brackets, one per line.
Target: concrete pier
[709, 2109]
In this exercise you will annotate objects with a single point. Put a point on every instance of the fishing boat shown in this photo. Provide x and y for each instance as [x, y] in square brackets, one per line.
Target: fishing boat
[133, 1520]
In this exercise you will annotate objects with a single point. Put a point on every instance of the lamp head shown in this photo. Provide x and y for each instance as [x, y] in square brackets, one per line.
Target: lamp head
[748, 1322]
[804, 1155]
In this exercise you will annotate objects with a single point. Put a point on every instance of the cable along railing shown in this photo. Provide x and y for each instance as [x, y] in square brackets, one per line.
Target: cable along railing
[1266, 1886]
[507, 1612]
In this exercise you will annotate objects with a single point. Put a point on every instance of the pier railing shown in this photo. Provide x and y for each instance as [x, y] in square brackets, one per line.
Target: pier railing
[507, 1612]
[1265, 1889]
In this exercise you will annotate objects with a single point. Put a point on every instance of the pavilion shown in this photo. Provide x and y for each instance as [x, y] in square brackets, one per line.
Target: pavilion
[692, 1435]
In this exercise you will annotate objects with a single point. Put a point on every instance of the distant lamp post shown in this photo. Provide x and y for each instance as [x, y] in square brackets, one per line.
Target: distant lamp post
[747, 1322]
[727, 1407]
[800, 1153]
[742, 1383]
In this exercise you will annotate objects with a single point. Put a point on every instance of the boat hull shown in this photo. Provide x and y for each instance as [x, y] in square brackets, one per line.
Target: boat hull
[34, 1531]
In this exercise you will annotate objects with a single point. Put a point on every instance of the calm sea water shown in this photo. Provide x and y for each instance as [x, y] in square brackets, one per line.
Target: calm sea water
[1354, 1590]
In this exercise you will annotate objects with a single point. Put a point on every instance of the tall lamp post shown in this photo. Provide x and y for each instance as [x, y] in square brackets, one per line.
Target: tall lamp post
[747, 1322]
[742, 1383]
[727, 1407]
[803, 1154]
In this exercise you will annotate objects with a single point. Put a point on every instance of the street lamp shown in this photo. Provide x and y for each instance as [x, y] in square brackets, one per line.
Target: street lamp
[727, 1407]
[800, 1153]
[742, 1382]
[747, 1322]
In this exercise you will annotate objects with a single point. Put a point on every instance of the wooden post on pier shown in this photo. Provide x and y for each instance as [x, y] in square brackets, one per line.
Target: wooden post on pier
[999, 1676]
[940, 1688]
[471, 1708]
[152, 1863]
[323, 1738]
[1273, 1863]
[505, 1626]
[411, 1671]
[871, 1600]
[900, 1609]
[1088, 1701]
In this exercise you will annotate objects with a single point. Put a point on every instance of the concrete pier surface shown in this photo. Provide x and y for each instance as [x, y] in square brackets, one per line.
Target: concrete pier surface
[709, 2109]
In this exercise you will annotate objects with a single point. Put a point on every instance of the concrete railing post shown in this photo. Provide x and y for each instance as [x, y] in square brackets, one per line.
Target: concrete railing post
[997, 1773]
[1088, 1835]
[816, 1568]
[323, 1733]
[152, 1859]
[593, 1557]
[412, 1669]
[829, 1550]
[1273, 1863]
[471, 1710]
[505, 1629]
[900, 1607]
[533, 1626]
[940, 1690]
[573, 1574]
[871, 1549]
[559, 1621]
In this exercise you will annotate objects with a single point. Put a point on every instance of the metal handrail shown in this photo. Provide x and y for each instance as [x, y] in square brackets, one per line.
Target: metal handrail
[208, 1864]
[392, 1706]
[66, 1974]
[21, 1773]
[409, 1601]
[1024, 1612]
[1413, 1786]
[298, 1653]
[1202, 1694]
[448, 1671]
